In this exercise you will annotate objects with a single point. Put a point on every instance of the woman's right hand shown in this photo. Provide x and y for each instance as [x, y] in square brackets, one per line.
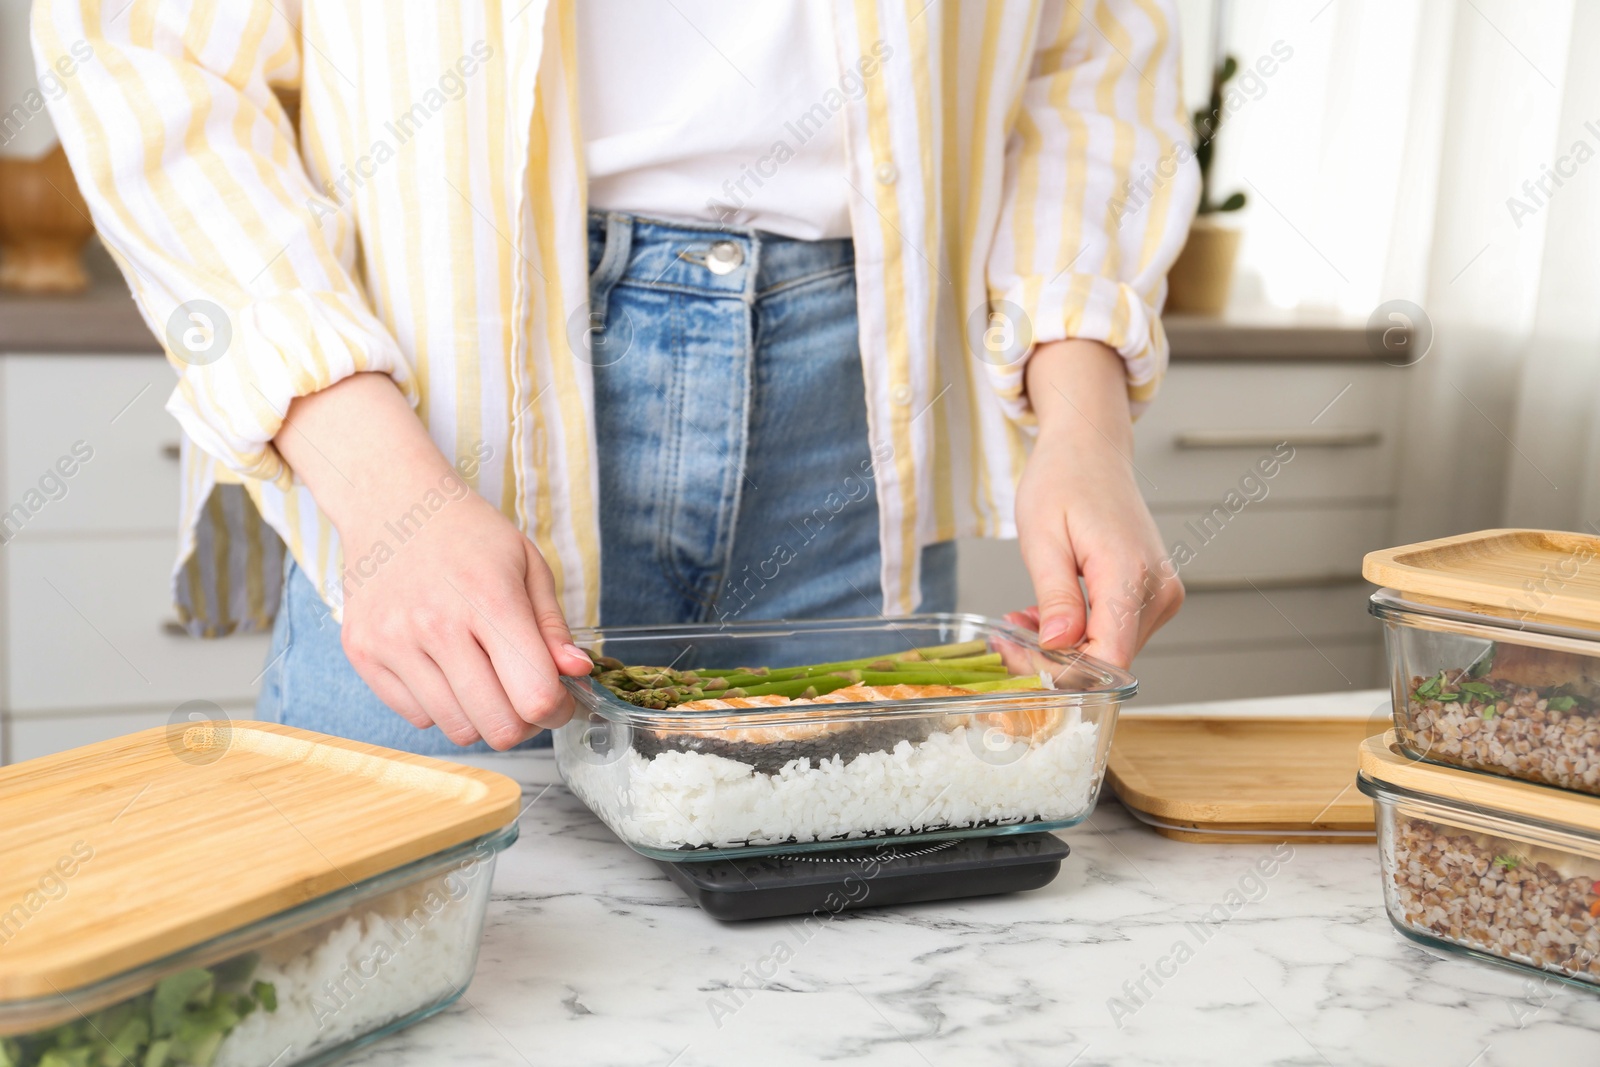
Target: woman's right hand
[450, 613]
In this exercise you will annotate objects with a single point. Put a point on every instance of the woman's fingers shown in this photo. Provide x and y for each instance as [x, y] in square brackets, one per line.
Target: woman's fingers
[1128, 603]
[394, 694]
[425, 678]
[479, 693]
[506, 626]
[1054, 569]
[1114, 629]
[548, 617]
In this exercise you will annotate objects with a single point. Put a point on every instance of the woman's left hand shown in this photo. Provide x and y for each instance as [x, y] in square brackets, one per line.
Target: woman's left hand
[1079, 511]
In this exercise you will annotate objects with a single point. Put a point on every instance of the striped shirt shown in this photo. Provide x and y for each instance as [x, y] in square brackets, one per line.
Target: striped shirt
[300, 190]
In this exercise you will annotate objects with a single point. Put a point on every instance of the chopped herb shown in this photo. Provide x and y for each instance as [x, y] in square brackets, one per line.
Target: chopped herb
[180, 1023]
[266, 995]
[1488, 712]
[1507, 863]
[1561, 703]
[1449, 698]
[1478, 689]
[1430, 688]
[1483, 665]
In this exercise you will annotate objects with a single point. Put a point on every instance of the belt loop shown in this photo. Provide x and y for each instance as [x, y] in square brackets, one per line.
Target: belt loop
[752, 268]
[613, 263]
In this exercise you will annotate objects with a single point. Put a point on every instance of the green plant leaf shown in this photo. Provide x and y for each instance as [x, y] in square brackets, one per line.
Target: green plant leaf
[1233, 203]
[1230, 67]
[1561, 703]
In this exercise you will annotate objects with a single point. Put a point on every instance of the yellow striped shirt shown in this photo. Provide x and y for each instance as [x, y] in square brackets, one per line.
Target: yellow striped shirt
[398, 186]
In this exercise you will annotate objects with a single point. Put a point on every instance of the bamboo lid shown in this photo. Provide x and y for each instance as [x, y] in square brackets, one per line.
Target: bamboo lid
[1380, 762]
[118, 853]
[1238, 775]
[1544, 576]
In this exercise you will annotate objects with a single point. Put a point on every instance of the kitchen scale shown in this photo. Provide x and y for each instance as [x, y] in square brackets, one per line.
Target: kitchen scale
[824, 883]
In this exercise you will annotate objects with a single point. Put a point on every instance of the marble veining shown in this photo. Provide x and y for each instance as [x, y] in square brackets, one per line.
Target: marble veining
[1144, 951]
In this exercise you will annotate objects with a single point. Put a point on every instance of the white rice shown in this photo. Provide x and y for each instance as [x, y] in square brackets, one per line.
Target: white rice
[691, 800]
[357, 972]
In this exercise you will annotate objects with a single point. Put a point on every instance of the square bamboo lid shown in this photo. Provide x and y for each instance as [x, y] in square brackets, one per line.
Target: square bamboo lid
[1542, 576]
[1383, 762]
[119, 853]
[1222, 779]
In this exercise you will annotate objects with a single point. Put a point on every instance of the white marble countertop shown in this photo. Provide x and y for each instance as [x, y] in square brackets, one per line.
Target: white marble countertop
[590, 956]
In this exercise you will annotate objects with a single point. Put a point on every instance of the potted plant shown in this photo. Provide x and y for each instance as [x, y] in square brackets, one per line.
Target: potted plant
[1199, 280]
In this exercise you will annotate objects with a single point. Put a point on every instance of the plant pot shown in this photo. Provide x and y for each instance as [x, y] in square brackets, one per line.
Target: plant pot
[1199, 280]
[44, 224]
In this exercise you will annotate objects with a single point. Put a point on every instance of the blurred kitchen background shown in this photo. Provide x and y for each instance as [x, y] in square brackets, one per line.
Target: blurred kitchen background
[1411, 305]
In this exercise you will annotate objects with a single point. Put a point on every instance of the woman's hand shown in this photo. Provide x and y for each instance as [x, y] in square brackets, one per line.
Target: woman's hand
[1079, 511]
[450, 613]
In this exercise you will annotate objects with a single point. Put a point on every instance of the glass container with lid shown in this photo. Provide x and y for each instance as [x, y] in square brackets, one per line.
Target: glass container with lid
[1487, 867]
[236, 894]
[1493, 643]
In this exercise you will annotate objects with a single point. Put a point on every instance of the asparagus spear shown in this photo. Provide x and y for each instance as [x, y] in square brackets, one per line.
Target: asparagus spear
[796, 687]
[1019, 681]
[661, 687]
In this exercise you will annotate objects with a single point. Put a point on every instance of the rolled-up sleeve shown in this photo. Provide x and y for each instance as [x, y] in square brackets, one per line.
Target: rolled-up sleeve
[1100, 188]
[240, 265]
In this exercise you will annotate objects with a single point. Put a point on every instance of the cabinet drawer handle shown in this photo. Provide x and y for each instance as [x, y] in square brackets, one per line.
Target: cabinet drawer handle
[1196, 440]
[171, 450]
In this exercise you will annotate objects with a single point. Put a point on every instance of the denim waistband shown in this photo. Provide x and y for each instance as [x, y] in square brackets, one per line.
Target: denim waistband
[711, 259]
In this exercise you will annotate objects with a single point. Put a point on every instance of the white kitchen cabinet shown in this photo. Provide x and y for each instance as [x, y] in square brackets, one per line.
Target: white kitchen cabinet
[88, 649]
[1212, 422]
[1288, 543]
[1275, 602]
[111, 406]
[86, 629]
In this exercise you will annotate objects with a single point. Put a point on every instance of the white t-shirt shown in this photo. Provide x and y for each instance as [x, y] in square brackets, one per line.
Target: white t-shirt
[715, 111]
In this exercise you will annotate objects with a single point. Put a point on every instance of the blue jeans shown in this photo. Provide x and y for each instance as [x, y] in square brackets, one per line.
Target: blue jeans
[735, 470]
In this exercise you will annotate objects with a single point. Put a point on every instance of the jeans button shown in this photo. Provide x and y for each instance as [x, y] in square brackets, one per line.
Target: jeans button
[724, 257]
[887, 173]
[901, 394]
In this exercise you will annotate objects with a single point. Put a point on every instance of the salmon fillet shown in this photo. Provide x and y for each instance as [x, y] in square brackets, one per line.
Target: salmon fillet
[1029, 723]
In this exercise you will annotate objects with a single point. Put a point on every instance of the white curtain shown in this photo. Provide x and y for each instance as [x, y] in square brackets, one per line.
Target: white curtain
[1379, 160]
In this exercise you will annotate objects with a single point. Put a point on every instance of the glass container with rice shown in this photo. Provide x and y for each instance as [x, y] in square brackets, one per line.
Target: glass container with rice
[705, 742]
[236, 894]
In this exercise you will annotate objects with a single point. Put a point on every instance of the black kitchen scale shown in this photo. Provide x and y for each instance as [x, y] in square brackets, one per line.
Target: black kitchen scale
[875, 875]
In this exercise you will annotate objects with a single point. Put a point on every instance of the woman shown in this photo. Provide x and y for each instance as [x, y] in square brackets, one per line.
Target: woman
[748, 310]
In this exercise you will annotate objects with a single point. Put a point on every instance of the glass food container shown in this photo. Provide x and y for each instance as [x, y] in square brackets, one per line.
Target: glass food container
[717, 783]
[1487, 867]
[236, 894]
[1494, 652]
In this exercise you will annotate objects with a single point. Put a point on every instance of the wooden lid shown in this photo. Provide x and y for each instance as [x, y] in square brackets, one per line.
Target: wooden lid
[1235, 774]
[1383, 763]
[1528, 575]
[121, 852]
